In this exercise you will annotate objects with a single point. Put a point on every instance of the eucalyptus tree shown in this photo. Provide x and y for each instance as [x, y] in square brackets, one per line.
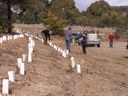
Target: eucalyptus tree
[65, 9]
[35, 9]
[7, 17]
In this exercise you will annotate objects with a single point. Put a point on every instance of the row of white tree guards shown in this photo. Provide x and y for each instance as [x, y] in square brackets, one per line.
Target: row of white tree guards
[10, 37]
[11, 74]
[64, 54]
[21, 61]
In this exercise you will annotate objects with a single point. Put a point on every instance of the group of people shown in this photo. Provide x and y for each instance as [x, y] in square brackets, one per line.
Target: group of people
[68, 36]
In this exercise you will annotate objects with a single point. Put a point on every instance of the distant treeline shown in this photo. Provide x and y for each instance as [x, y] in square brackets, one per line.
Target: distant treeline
[58, 14]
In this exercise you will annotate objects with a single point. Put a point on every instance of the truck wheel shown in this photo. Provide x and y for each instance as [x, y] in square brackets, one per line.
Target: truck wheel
[98, 45]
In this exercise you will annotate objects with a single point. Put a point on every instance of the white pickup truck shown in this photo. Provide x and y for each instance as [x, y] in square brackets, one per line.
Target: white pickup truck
[92, 40]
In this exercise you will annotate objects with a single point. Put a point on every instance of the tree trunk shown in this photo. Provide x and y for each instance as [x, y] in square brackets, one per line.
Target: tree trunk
[9, 16]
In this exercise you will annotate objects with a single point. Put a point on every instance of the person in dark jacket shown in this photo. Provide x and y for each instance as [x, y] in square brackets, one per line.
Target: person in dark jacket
[84, 43]
[46, 35]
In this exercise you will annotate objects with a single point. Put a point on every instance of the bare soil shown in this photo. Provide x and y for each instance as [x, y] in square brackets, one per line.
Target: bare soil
[104, 69]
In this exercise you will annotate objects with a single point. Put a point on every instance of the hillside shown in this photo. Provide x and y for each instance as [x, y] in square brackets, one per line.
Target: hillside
[104, 70]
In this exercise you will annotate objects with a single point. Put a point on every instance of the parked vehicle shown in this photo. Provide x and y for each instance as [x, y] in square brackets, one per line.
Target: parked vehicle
[75, 36]
[92, 39]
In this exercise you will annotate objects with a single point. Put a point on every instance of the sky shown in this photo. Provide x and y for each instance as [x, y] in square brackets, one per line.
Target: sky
[84, 4]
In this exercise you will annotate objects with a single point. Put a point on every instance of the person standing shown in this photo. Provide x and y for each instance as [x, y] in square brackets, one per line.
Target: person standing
[111, 38]
[84, 44]
[68, 35]
[46, 35]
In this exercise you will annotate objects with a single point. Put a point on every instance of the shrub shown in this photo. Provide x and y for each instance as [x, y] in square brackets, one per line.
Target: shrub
[56, 24]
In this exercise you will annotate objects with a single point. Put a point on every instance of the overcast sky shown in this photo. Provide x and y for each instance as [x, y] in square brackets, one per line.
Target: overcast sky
[83, 4]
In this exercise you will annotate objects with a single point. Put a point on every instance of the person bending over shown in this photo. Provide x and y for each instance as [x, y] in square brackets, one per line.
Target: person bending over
[46, 35]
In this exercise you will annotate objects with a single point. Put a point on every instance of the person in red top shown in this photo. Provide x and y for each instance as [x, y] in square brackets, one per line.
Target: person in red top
[111, 38]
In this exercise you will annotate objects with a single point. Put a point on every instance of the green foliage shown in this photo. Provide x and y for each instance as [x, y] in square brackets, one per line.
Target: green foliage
[65, 9]
[35, 9]
[112, 19]
[101, 14]
[55, 24]
[98, 8]
[64, 12]
[27, 17]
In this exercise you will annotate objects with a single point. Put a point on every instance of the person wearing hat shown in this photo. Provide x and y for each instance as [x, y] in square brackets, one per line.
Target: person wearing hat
[68, 35]
[84, 43]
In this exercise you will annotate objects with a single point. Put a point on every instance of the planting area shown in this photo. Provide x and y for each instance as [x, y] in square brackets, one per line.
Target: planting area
[104, 70]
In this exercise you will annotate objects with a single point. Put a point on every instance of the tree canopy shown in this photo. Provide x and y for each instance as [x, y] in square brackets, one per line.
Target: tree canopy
[65, 9]
[99, 13]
